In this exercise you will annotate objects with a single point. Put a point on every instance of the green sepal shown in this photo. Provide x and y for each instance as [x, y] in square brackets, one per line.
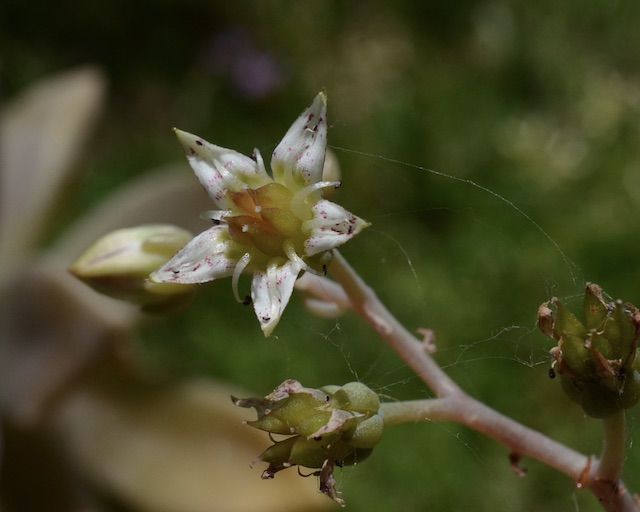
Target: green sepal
[312, 453]
[595, 310]
[295, 409]
[603, 345]
[279, 453]
[270, 423]
[308, 453]
[621, 333]
[313, 423]
[566, 323]
[576, 356]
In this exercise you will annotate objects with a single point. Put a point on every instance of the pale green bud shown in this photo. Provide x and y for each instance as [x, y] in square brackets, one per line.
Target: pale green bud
[367, 433]
[119, 263]
[357, 397]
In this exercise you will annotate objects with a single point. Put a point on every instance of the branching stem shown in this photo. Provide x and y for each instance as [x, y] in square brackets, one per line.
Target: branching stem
[453, 404]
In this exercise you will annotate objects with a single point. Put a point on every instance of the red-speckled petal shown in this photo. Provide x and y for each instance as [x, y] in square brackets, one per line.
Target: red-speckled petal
[271, 291]
[299, 158]
[203, 259]
[330, 227]
[221, 170]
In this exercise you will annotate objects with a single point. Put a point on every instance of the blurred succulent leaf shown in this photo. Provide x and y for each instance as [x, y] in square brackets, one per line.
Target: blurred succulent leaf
[42, 133]
[52, 325]
[144, 200]
[173, 448]
[53, 328]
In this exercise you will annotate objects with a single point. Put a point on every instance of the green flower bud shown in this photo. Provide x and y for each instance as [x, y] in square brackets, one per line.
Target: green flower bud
[327, 427]
[596, 360]
[367, 433]
[357, 397]
[119, 263]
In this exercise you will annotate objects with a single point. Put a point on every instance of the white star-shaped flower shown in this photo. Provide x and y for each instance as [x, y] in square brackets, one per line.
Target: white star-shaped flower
[274, 226]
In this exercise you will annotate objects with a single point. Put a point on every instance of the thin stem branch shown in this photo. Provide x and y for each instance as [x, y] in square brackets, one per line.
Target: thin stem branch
[607, 470]
[365, 302]
[454, 405]
[613, 449]
[521, 441]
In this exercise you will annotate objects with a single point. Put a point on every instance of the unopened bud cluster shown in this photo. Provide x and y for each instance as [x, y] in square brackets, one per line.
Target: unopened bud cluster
[320, 428]
[597, 360]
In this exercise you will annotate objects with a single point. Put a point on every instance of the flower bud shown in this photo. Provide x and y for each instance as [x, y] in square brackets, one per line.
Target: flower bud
[118, 264]
[327, 427]
[597, 360]
[357, 397]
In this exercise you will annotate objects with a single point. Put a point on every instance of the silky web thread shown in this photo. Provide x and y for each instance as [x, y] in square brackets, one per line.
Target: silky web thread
[571, 267]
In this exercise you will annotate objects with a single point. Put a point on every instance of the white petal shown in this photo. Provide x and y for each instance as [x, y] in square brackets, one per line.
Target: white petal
[203, 259]
[330, 227]
[271, 291]
[299, 158]
[221, 170]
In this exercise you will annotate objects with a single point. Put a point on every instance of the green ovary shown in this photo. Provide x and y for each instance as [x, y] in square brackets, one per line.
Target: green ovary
[266, 221]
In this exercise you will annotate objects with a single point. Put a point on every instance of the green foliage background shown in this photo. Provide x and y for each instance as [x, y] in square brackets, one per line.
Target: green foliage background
[538, 103]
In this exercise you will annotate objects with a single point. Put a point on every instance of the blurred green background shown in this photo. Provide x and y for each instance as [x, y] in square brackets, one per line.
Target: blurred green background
[537, 102]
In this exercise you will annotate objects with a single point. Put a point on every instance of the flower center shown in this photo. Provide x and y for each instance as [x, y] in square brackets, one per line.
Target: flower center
[266, 220]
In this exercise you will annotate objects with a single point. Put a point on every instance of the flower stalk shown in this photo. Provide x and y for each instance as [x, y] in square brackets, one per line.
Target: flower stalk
[613, 450]
[453, 404]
